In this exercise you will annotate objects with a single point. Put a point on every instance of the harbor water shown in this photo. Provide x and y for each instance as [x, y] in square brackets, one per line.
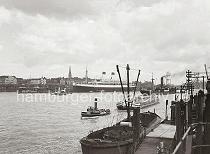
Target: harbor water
[44, 123]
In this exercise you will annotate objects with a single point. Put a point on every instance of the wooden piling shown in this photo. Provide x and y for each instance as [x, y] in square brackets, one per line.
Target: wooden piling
[199, 106]
[195, 109]
[173, 112]
[136, 128]
[207, 119]
[189, 106]
[166, 116]
[178, 121]
[178, 124]
[207, 113]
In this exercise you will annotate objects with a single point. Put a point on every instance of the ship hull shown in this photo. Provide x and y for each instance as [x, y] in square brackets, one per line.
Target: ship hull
[83, 89]
[143, 105]
[121, 148]
[80, 88]
[85, 114]
[96, 142]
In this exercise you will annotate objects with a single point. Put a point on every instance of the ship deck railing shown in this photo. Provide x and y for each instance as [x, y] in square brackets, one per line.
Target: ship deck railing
[195, 140]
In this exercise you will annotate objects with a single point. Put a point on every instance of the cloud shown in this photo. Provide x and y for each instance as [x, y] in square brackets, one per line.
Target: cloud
[51, 7]
[70, 8]
[156, 36]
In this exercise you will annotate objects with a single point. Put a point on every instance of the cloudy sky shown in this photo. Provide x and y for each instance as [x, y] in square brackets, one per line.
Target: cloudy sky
[43, 37]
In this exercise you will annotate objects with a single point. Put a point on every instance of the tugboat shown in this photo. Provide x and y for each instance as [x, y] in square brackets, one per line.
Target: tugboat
[94, 111]
[123, 137]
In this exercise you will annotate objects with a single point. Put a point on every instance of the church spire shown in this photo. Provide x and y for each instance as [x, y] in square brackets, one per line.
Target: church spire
[86, 75]
[70, 75]
[69, 81]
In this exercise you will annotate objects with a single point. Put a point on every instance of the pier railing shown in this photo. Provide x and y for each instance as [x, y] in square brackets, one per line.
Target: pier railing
[196, 140]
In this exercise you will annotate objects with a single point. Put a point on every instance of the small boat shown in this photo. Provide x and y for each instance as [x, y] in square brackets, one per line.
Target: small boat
[32, 90]
[60, 92]
[94, 111]
[141, 101]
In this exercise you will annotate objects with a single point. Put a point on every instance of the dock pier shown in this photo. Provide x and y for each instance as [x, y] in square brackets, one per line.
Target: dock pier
[188, 130]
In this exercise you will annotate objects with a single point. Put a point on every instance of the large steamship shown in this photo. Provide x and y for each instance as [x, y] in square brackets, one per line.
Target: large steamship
[98, 87]
[101, 85]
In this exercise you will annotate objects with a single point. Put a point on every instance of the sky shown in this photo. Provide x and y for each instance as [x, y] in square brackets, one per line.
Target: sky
[45, 37]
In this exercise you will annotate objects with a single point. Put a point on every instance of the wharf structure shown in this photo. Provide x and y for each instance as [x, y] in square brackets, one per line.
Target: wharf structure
[193, 120]
[188, 130]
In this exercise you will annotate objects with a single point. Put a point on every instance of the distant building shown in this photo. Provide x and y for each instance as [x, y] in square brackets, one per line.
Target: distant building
[11, 80]
[53, 81]
[8, 80]
[2, 79]
[43, 81]
[21, 81]
[35, 81]
[78, 80]
[62, 81]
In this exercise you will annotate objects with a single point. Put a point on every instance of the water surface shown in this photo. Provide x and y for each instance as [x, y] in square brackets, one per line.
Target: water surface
[29, 124]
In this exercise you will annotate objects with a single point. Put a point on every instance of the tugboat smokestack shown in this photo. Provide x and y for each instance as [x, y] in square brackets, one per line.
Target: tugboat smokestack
[95, 104]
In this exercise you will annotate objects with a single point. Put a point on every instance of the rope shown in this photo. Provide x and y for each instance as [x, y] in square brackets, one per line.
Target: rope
[136, 84]
[118, 71]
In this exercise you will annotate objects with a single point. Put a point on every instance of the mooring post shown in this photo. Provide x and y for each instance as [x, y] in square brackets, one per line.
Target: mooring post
[166, 116]
[173, 112]
[177, 121]
[189, 103]
[202, 104]
[199, 103]
[178, 124]
[181, 123]
[183, 116]
[207, 113]
[196, 108]
[136, 128]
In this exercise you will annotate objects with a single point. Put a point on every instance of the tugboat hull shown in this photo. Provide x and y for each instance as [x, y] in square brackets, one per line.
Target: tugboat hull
[85, 114]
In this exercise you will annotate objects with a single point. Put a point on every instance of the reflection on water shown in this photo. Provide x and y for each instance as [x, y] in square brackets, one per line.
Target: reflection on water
[54, 125]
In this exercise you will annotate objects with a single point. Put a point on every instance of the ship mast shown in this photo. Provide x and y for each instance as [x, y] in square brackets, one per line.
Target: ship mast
[129, 101]
[128, 91]
[206, 72]
[152, 83]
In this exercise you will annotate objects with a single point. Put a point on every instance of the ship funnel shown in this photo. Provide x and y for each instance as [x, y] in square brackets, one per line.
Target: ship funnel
[95, 103]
